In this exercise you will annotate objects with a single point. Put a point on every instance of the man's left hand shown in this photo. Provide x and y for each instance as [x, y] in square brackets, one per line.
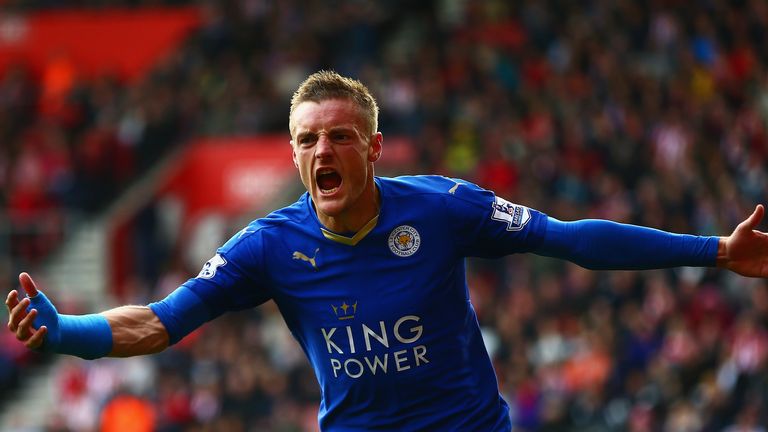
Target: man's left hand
[745, 251]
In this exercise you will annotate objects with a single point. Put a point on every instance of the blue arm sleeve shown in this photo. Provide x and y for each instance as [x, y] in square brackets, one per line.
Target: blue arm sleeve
[606, 245]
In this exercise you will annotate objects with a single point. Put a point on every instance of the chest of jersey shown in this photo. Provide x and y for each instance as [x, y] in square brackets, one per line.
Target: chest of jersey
[372, 307]
[392, 269]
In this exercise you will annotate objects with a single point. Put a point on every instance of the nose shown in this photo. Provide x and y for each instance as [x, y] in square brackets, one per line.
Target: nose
[323, 146]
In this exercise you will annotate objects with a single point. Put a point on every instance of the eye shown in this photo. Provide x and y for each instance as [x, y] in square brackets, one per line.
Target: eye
[341, 137]
[306, 140]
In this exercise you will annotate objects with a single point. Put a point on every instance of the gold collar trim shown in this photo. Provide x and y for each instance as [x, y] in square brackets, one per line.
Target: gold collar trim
[351, 241]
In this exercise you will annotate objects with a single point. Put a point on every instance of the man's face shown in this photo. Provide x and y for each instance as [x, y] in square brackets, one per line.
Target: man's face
[334, 152]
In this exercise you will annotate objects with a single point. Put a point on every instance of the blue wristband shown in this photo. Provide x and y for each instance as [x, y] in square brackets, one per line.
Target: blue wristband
[85, 336]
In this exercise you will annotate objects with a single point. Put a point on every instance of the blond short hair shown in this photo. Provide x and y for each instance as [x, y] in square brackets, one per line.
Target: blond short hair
[324, 85]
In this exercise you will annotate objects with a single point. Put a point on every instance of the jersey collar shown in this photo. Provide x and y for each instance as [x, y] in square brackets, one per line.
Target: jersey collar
[355, 239]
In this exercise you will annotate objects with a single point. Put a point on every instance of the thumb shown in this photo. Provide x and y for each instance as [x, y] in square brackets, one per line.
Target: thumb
[754, 219]
[28, 284]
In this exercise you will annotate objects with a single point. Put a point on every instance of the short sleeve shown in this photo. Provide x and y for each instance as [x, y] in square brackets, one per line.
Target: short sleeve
[489, 226]
[234, 278]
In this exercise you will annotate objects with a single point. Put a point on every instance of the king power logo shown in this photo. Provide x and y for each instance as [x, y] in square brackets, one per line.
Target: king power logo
[358, 342]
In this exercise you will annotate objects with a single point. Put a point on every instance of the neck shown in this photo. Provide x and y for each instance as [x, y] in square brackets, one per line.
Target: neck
[351, 221]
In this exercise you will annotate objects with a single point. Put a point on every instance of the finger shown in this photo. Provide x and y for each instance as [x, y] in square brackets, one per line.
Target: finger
[28, 284]
[37, 339]
[754, 219]
[25, 326]
[760, 211]
[12, 300]
[18, 313]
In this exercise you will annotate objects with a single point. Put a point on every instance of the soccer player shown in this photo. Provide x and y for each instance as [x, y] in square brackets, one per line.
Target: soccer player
[368, 273]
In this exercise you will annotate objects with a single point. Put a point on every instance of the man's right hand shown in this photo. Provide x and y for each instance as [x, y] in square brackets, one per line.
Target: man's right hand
[20, 320]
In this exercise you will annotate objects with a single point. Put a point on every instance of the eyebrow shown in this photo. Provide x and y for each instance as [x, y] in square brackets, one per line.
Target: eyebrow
[340, 128]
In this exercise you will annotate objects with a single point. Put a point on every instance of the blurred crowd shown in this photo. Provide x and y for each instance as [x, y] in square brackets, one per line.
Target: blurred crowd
[654, 113]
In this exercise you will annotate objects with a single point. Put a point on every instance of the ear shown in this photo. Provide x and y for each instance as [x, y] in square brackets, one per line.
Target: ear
[293, 155]
[375, 147]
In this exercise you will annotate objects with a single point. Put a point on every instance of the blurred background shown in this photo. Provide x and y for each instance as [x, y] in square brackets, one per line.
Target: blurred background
[136, 136]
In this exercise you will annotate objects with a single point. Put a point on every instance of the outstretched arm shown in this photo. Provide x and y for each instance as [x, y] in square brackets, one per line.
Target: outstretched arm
[136, 330]
[606, 245]
[745, 251]
[120, 332]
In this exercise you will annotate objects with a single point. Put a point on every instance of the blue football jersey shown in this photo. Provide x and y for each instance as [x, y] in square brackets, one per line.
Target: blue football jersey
[384, 316]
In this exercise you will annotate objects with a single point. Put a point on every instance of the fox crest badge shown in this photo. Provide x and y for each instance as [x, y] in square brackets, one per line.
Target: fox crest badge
[404, 241]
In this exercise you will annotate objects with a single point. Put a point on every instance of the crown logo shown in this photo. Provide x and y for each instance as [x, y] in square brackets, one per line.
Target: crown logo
[345, 311]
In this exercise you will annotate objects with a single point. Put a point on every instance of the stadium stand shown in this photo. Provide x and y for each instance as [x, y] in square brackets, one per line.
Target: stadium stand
[653, 113]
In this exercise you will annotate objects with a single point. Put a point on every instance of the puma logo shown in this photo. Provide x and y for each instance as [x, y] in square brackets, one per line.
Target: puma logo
[453, 189]
[300, 256]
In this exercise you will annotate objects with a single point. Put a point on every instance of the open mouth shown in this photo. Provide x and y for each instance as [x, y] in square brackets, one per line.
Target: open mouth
[328, 180]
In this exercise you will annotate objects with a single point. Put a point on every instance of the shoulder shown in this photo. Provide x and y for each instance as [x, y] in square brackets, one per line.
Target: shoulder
[271, 224]
[419, 184]
[436, 192]
[447, 189]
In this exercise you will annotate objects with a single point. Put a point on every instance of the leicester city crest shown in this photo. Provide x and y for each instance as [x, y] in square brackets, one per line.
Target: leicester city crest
[404, 241]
